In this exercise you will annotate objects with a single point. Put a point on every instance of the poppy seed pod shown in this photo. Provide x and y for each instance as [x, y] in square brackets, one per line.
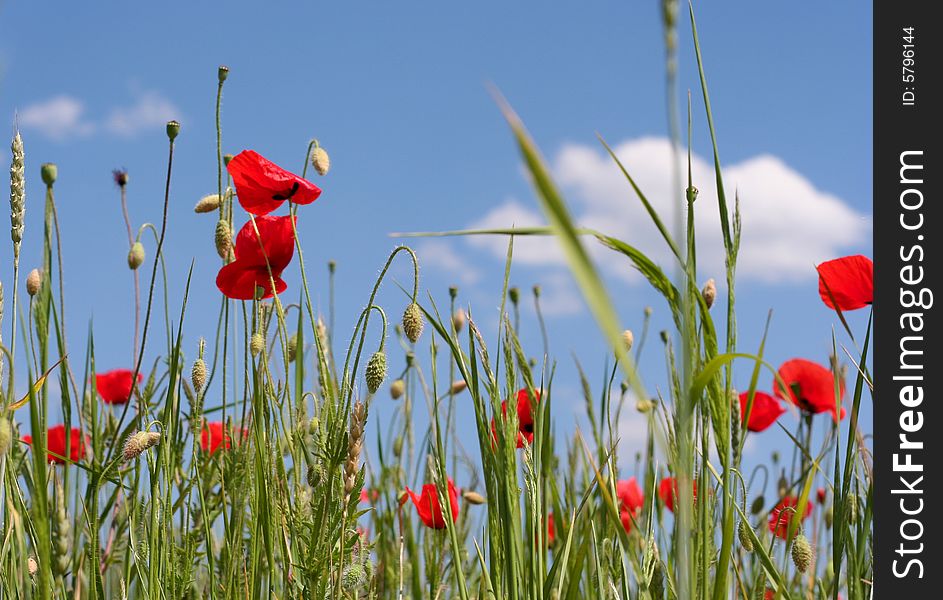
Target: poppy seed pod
[222, 73]
[376, 371]
[628, 338]
[397, 389]
[173, 130]
[136, 255]
[49, 172]
[745, 540]
[709, 292]
[223, 239]
[413, 322]
[138, 442]
[207, 203]
[33, 282]
[256, 343]
[198, 374]
[802, 553]
[473, 498]
[227, 158]
[320, 161]
[514, 295]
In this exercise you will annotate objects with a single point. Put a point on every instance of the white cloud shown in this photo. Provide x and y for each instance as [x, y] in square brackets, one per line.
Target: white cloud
[788, 224]
[441, 255]
[150, 110]
[58, 118]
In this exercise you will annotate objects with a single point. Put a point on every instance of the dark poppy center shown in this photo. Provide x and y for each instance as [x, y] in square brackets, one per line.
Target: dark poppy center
[287, 195]
[527, 428]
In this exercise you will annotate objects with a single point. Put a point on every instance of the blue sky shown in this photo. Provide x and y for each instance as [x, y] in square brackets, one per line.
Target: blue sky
[398, 95]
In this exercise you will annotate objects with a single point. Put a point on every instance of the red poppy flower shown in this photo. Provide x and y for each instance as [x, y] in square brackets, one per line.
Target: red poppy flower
[262, 186]
[115, 386]
[820, 495]
[551, 530]
[810, 386]
[369, 496]
[668, 492]
[275, 241]
[769, 594]
[428, 508]
[55, 444]
[214, 436]
[848, 280]
[763, 413]
[525, 417]
[779, 517]
[631, 499]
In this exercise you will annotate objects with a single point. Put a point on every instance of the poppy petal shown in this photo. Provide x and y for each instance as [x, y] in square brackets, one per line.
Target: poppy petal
[849, 281]
[262, 186]
[764, 412]
[810, 386]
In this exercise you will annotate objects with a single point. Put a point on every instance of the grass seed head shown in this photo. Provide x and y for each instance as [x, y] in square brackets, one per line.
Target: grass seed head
[198, 374]
[413, 322]
[49, 172]
[136, 256]
[17, 193]
[376, 371]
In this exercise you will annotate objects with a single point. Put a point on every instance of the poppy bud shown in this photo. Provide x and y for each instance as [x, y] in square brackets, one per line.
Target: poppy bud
[397, 389]
[745, 540]
[801, 553]
[32, 566]
[256, 343]
[648, 311]
[292, 348]
[775, 457]
[458, 320]
[398, 446]
[375, 372]
[227, 158]
[473, 497]
[644, 405]
[354, 576]
[223, 239]
[222, 73]
[628, 338]
[6, 436]
[33, 282]
[663, 334]
[49, 172]
[514, 295]
[173, 130]
[757, 506]
[320, 161]
[782, 486]
[207, 203]
[453, 291]
[458, 386]
[138, 442]
[136, 255]
[413, 322]
[198, 374]
[709, 292]
[828, 516]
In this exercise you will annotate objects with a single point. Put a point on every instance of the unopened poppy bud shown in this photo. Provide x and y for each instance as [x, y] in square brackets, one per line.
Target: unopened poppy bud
[198, 374]
[223, 239]
[6, 436]
[536, 290]
[628, 338]
[397, 389]
[644, 405]
[222, 73]
[514, 295]
[458, 386]
[801, 553]
[458, 320]
[745, 540]
[757, 506]
[375, 372]
[782, 486]
[207, 203]
[709, 292]
[398, 446]
[320, 160]
[292, 348]
[49, 172]
[32, 566]
[453, 292]
[256, 343]
[314, 424]
[624, 386]
[138, 442]
[33, 282]
[173, 130]
[136, 255]
[828, 516]
[413, 322]
[227, 158]
[775, 457]
[648, 311]
[473, 498]
[663, 334]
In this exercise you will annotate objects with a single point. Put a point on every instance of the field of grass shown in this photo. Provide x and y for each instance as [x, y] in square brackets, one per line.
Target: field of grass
[161, 482]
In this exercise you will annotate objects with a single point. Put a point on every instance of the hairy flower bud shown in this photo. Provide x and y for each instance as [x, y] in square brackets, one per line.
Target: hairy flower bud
[397, 389]
[320, 160]
[198, 374]
[292, 348]
[802, 553]
[628, 338]
[136, 255]
[34, 281]
[6, 435]
[473, 497]
[758, 503]
[376, 371]
[256, 343]
[138, 442]
[413, 322]
[709, 292]
[398, 446]
[207, 203]
[745, 540]
[458, 320]
[223, 239]
[458, 386]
